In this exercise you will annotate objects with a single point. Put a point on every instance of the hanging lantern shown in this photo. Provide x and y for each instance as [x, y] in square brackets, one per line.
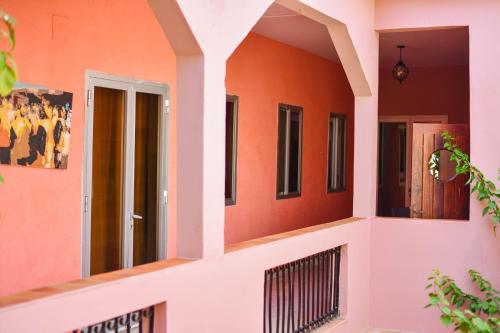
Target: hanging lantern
[400, 71]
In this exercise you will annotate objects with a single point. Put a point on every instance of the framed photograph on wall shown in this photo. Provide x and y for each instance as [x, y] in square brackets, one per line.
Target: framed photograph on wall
[35, 127]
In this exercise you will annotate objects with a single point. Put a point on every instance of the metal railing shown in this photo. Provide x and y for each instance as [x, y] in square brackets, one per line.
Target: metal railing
[140, 321]
[302, 295]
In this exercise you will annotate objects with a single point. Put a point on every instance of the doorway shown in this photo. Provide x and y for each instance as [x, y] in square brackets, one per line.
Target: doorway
[125, 173]
[407, 146]
[415, 175]
[395, 162]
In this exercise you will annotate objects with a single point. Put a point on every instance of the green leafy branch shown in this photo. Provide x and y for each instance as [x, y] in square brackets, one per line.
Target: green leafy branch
[485, 188]
[466, 312]
[8, 71]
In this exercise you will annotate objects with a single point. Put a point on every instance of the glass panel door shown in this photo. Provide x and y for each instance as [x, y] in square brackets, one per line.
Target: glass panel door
[125, 175]
[147, 119]
[107, 180]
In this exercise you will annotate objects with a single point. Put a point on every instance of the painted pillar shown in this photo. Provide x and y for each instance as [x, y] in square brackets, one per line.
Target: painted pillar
[363, 78]
[365, 155]
[200, 132]
[200, 149]
[190, 76]
[214, 143]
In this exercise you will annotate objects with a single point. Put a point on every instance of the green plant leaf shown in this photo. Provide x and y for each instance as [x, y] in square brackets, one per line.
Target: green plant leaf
[468, 313]
[7, 79]
[459, 314]
[481, 325]
[464, 327]
[485, 188]
[446, 310]
[446, 320]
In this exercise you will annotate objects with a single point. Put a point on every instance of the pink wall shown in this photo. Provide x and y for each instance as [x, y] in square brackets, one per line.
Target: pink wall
[388, 258]
[427, 91]
[404, 252]
[225, 295]
[40, 210]
[264, 73]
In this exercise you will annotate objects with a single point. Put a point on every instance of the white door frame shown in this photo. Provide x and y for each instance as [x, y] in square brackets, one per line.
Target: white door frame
[409, 121]
[131, 87]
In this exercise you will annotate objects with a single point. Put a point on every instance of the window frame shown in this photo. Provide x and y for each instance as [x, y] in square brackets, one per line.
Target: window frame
[232, 200]
[343, 186]
[297, 193]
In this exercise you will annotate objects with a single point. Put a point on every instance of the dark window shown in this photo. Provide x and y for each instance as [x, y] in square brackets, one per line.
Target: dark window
[289, 151]
[231, 143]
[337, 153]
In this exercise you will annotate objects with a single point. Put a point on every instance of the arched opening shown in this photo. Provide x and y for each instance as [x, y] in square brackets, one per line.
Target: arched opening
[289, 129]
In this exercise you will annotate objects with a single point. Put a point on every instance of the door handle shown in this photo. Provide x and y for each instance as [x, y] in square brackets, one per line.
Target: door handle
[135, 217]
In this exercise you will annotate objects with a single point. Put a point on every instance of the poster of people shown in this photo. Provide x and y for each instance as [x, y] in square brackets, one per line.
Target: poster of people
[35, 125]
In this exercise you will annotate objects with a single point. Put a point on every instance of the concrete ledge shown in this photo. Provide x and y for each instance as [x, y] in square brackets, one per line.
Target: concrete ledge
[268, 239]
[35, 294]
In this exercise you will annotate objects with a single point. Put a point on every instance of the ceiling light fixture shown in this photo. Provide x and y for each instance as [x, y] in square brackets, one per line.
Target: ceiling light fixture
[400, 71]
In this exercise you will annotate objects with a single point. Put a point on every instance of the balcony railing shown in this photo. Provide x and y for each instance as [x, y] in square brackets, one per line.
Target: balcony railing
[140, 321]
[302, 295]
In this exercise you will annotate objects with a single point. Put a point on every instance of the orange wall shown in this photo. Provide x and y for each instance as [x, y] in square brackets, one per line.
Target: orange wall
[427, 91]
[263, 73]
[40, 210]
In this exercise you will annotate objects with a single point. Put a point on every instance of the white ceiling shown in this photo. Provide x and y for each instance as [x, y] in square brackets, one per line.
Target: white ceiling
[428, 48]
[289, 27]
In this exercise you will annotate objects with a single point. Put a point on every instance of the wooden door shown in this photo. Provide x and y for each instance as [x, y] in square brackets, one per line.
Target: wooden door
[447, 198]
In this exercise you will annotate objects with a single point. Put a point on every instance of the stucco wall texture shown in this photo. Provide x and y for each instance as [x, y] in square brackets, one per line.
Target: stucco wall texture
[263, 73]
[57, 41]
[388, 259]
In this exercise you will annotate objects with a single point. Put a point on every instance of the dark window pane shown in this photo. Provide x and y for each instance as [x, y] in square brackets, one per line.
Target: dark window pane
[336, 152]
[281, 151]
[230, 172]
[330, 153]
[289, 150]
[147, 132]
[107, 180]
[341, 155]
[294, 165]
[229, 150]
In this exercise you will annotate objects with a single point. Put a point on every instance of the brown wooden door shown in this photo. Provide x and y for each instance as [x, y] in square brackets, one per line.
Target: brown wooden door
[432, 198]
